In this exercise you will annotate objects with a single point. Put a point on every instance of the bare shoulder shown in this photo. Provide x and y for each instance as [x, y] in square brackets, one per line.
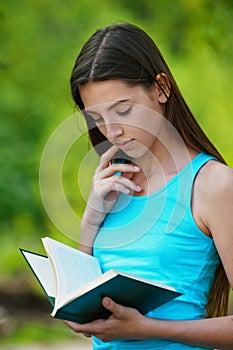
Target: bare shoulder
[213, 198]
[215, 179]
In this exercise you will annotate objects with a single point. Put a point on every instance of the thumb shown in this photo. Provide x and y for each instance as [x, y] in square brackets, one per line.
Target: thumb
[112, 306]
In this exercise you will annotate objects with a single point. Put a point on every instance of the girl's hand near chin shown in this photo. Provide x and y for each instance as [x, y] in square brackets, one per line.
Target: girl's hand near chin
[124, 323]
[106, 187]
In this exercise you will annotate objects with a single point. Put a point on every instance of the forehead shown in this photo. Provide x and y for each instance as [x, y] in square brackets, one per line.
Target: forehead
[108, 91]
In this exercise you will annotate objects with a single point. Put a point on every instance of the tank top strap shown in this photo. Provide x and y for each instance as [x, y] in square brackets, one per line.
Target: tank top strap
[181, 191]
[188, 174]
[198, 162]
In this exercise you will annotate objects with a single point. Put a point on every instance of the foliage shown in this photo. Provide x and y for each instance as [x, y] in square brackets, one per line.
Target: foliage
[37, 332]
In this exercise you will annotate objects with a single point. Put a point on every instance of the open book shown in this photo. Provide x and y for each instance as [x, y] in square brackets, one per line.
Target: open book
[75, 285]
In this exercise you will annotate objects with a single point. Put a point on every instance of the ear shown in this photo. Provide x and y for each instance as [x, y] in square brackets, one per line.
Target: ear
[164, 87]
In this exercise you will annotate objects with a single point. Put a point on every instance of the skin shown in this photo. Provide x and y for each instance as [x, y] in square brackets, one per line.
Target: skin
[212, 204]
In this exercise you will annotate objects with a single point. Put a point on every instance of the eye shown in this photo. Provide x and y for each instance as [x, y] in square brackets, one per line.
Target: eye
[98, 120]
[126, 112]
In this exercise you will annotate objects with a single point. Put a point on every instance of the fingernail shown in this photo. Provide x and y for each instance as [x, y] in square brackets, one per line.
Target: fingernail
[136, 168]
[107, 301]
[138, 188]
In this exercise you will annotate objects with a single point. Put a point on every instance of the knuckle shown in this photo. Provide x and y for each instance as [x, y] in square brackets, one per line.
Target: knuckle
[95, 177]
[76, 329]
[88, 335]
[104, 158]
[117, 178]
[97, 171]
[115, 186]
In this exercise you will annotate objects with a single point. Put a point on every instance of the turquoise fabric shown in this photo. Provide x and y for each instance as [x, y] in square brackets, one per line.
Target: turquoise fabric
[156, 237]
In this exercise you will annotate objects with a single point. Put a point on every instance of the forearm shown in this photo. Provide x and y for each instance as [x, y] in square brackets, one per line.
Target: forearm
[88, 233]
[90, 225]
[209, 333]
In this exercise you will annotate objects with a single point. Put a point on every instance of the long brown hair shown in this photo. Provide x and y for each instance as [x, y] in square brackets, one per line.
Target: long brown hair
[124, 51]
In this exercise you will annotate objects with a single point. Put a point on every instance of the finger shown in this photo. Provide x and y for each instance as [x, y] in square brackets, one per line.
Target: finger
[113, 168]
[112, 187]
[127, 184]
[118, 184]
[78, 327]
[88, 335]
[120, 188]
[112, 306]
[107, 156]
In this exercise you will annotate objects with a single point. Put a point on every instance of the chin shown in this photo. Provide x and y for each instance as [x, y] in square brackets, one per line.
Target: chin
[135, 154]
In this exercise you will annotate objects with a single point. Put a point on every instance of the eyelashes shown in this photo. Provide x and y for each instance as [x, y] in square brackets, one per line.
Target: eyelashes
[100, 120]
[126, 112]
[90, 118]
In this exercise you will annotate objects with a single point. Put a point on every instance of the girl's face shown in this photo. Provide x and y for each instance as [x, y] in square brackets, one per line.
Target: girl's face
[128, 116]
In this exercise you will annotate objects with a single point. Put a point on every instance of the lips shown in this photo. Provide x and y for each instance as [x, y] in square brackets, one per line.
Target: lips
[124, 145]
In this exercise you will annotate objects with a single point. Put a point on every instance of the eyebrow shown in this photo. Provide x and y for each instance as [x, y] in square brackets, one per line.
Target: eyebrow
[115, 104]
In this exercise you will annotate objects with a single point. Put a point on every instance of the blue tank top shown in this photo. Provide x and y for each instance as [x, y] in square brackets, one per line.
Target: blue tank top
[156, 237]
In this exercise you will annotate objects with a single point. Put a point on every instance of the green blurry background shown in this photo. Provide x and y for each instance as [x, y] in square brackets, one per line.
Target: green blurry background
[39, 42]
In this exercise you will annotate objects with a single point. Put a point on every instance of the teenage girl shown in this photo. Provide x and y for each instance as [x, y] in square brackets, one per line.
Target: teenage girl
[165, 211]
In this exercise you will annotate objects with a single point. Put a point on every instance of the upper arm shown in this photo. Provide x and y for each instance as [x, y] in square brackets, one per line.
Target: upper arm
[218, 212]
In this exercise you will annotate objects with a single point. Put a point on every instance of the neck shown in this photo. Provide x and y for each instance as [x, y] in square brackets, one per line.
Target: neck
[163, 161]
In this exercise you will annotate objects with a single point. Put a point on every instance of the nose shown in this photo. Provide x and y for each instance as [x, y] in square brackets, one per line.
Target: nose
[113, 130]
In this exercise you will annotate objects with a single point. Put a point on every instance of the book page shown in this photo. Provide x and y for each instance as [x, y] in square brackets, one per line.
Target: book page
[43, 270]
[73, 268]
